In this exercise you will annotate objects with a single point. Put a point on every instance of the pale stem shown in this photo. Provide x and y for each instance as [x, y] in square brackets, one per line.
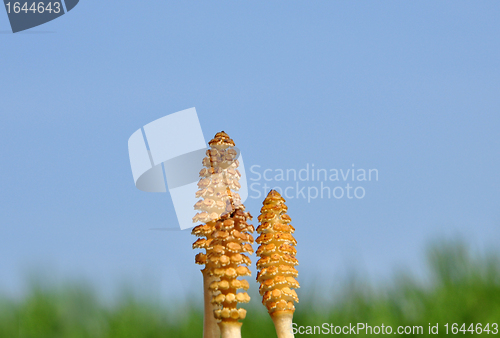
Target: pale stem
[210, 327]
[283, 323]
[230, 329]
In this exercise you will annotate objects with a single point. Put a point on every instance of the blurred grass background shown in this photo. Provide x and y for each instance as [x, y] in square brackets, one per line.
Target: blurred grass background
[461, 287]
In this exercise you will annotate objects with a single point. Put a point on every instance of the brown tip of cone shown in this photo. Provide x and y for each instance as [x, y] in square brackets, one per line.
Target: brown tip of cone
[221, 138]
[273, 196]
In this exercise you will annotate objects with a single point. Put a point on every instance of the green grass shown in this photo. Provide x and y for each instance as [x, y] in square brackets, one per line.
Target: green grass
[464, 288]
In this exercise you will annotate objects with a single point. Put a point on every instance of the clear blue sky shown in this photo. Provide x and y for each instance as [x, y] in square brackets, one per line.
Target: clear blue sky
[409, 88]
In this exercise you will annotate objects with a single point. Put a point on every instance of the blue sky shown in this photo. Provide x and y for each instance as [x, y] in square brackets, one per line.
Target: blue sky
[408, 88]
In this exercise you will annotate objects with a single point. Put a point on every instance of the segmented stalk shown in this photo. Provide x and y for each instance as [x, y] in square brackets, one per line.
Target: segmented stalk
[277, 263]
[225, 236]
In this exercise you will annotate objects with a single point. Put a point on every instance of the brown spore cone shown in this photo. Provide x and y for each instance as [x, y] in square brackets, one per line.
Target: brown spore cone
[277, 252]
[227, 242]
